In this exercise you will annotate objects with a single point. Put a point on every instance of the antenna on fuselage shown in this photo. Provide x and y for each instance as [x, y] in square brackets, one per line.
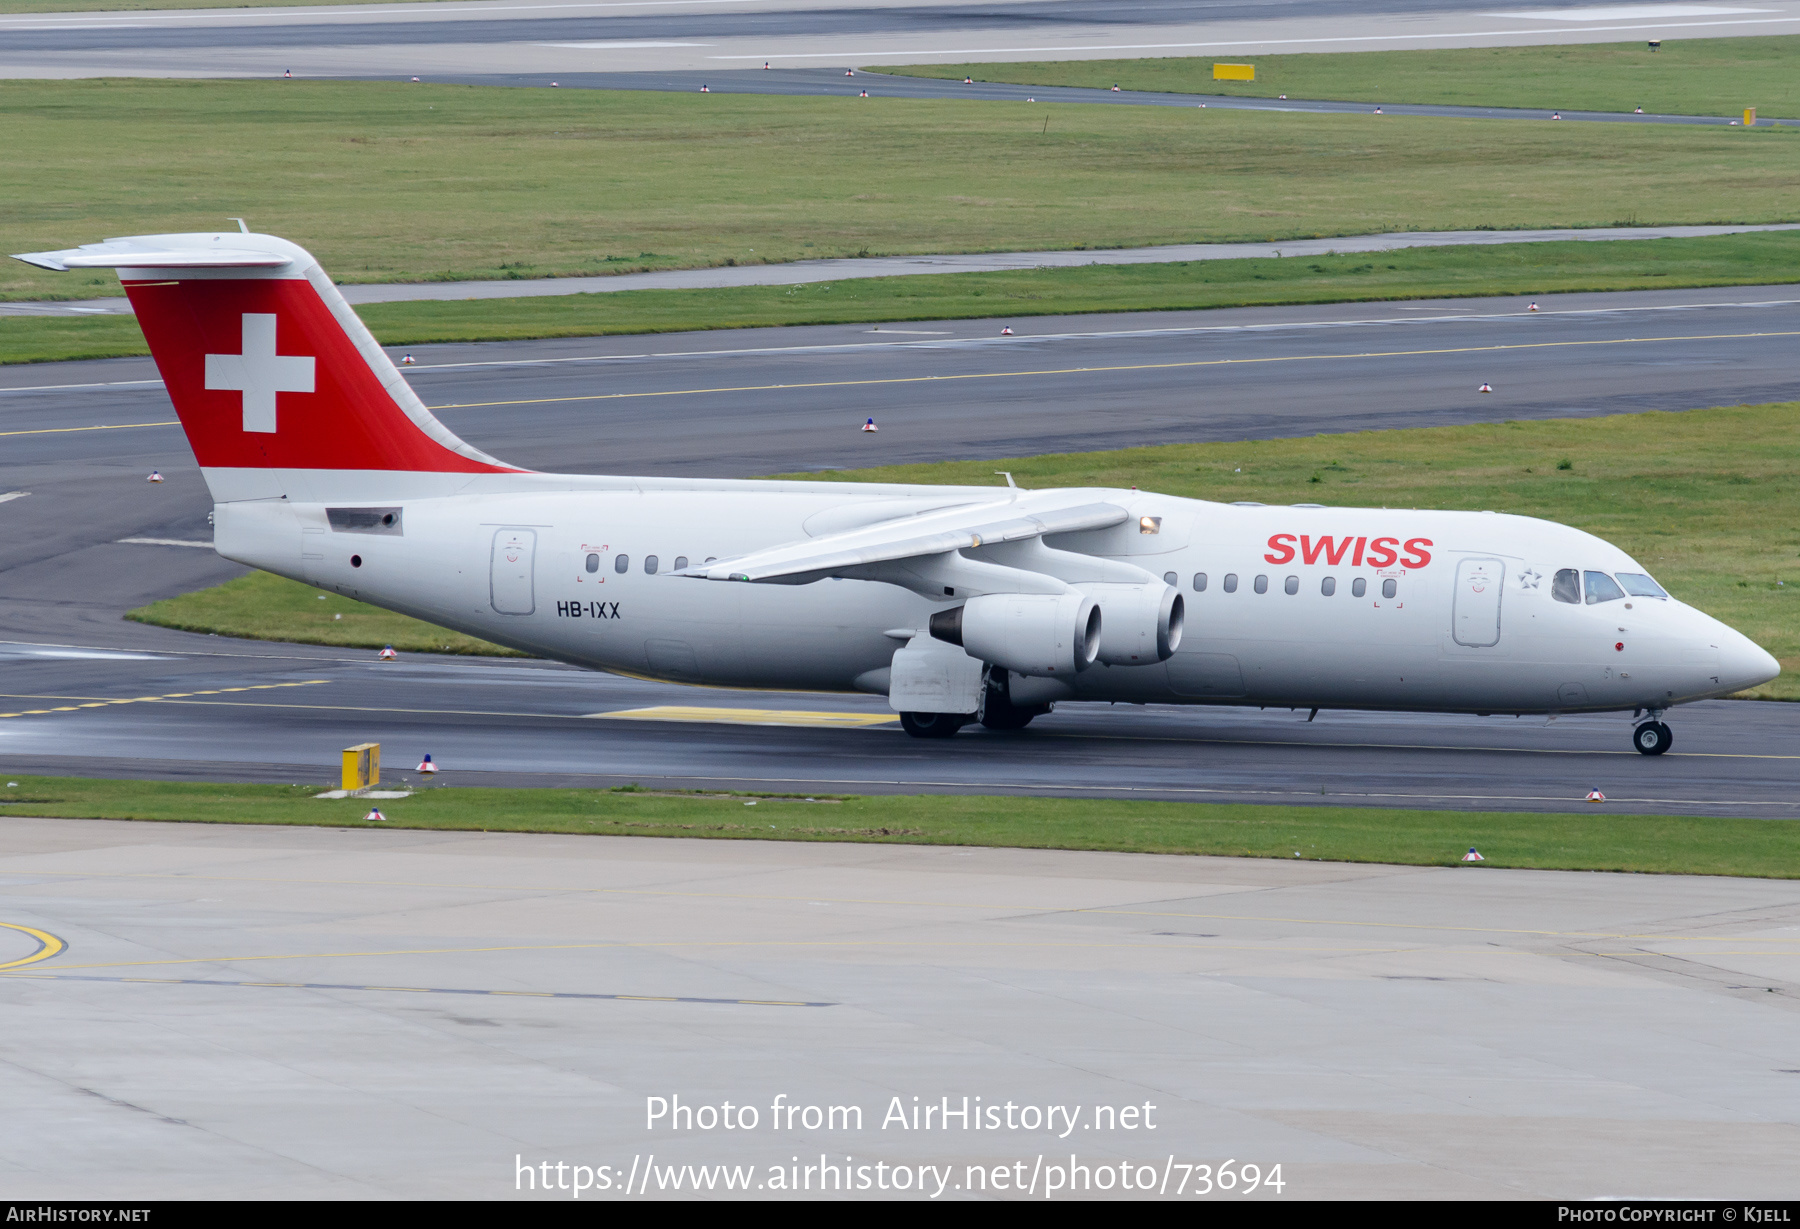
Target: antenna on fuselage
[243, 227]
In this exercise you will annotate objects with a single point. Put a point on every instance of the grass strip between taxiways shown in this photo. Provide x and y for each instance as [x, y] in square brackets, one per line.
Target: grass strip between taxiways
[1684, 76]
[1524, 269]
[1589, 840]
[1704, 498]
[386, 181]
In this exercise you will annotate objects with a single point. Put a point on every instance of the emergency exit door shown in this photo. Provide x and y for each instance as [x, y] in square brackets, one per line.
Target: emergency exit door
[510, 571]
[1475, 614]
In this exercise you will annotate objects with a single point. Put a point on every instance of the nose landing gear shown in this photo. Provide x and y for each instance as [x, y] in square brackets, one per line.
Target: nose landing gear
[1653, 737]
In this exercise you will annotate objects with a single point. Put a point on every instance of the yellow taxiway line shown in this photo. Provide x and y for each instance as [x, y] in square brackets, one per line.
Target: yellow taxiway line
[748, 716]
[48, 945]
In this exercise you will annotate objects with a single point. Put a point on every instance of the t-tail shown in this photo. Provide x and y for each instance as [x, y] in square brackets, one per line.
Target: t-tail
[282, 391]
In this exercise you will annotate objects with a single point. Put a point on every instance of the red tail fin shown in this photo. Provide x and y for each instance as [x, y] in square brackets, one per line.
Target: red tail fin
[268, 367]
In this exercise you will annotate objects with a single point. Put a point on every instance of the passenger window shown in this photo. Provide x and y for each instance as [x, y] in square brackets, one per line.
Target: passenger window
[621, 564]
[1328, 586]
[1262, 584]
[1292, 586]
[1199, 582]
[593, 563]
[1358, 587]
[1639, 585]
[1602, 588]
[681, 563]
[1170, 579]
[649, 565]
[1388, 587]
[1567, 586]
[1231, 582]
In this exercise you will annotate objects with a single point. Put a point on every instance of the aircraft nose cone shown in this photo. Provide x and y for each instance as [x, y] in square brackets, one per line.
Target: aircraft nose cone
[1743, 663]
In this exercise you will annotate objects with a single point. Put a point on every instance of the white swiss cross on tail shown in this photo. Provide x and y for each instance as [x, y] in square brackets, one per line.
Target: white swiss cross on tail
[259, 373]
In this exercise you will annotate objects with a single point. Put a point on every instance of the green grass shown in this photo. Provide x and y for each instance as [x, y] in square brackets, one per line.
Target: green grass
[262, 606]
[1705, 499]
[1523, 269]
[534, 183]
[1714, 76]
[1579, 840]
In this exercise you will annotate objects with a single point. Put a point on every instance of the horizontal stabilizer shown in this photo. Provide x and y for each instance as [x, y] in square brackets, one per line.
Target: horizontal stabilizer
[136, 254]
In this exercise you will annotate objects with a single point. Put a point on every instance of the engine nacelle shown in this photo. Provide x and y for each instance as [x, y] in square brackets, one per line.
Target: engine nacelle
[1142, 622]
[1048, 635]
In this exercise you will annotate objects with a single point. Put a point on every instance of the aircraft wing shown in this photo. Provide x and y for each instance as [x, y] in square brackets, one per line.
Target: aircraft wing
[955, 529]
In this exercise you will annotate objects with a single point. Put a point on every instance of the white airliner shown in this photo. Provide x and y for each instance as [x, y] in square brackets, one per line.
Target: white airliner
[959, 604]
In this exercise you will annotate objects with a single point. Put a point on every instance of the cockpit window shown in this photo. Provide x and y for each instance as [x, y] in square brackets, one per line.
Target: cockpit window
[1567, 586]
[1639, 585]
[1602, 588]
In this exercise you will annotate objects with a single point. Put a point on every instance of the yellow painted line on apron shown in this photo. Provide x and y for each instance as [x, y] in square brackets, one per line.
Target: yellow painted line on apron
[749, 716]
[48, 945]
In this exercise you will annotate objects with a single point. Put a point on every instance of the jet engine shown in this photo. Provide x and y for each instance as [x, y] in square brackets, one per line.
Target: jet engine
[1142, 622]
[1048, 635]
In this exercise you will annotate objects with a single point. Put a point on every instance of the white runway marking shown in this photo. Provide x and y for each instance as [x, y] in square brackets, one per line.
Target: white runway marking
[163, 542]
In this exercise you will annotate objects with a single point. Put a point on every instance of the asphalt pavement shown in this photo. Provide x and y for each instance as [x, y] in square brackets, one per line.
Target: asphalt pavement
[90, 538]
[510, 37]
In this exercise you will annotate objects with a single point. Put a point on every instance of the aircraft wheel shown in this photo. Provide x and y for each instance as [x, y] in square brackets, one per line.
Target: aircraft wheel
[932, 725]
[1652, 738]
[1009, 717]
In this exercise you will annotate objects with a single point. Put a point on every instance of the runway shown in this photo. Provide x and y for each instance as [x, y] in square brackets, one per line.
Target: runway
[200, 1011]
[522, 36]
[85, 545]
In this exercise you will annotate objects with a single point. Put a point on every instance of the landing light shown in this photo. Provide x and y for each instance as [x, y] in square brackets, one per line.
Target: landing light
[1149, 524]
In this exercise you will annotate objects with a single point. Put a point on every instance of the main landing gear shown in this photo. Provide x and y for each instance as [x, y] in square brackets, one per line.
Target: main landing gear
[933, 725]
[998, 712]
[1653, 737]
